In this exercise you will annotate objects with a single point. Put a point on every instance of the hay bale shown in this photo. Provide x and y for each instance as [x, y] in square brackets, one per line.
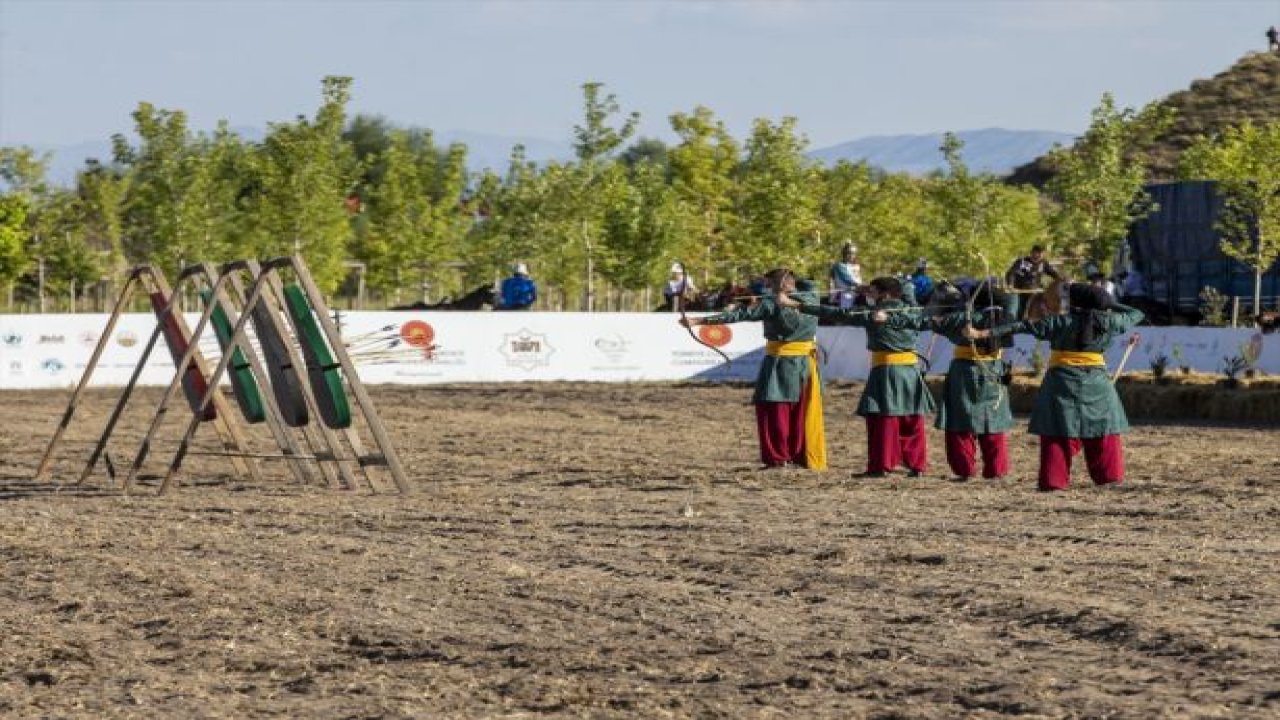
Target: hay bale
[1197, 396]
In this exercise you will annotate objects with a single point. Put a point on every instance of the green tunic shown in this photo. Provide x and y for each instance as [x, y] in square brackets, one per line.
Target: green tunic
[1077, 402]
[890, 389]
[781, 379]
[974, 400]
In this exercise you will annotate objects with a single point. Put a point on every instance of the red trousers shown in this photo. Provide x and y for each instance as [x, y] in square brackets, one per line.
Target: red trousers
[894, 440]
[781, 429]
[1103, 455]
[962, 454]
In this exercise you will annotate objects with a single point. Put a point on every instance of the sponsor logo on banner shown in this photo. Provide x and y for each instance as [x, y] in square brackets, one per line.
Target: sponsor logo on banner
[16, 367]
[51, 340]
[53, 366]
[715, 335]
[89, 338]
[526, 349]
[418, 334]
[127, 338]
[12, 339]
[614, 348]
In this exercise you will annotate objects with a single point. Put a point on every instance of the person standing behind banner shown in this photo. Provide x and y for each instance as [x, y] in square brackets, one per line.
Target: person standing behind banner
[788, 394]
[1131, 286]
[1024, 277]
[1077, 406]
[846, 278]
[921, 283]
[679, 289]
[895, 399]
[519, 292]
[975, 413]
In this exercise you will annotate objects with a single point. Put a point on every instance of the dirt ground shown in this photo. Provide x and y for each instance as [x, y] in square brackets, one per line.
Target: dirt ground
[613, 550]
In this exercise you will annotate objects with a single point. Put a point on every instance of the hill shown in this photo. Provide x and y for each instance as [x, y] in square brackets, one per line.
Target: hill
[1248, 90]
[992, 150]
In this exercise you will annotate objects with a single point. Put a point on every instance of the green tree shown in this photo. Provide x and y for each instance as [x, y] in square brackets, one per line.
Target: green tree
[102, 191]
[1099, 186]
[777, 199]
[306, 172]
[584, 193]
[595, 140]
[642, 226]
[13, 234]
[415, 222]
[980, 224]
[646, 150]
[884, 216]
[702, 166]
[1245, 162]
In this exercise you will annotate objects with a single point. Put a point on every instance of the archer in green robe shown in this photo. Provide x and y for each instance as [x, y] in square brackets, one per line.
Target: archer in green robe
[788, 389]
[975, 414]
[1077, 406]
[895, 398]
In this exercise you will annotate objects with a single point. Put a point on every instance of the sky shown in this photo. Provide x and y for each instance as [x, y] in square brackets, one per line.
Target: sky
[72, 71]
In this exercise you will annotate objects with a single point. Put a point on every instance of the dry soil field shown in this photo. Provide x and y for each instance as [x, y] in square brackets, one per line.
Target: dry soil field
[606, 551]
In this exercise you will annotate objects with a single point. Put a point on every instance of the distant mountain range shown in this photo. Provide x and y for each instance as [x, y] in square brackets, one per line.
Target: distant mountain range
[991, 150]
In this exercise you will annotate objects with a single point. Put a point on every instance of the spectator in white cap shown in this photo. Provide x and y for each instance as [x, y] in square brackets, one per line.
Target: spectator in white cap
[519, 292]
[679, 286]
[846, 278]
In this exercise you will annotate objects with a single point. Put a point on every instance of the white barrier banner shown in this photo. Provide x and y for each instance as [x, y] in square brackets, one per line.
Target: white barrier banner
[42, 351]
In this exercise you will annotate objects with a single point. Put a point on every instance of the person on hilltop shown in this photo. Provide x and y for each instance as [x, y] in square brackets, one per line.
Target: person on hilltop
[519, 291]
[788, 392]
[1077, 406]
[1025, 275]
[975, 414]
[846, 278]
[1273, 39]
[895, 398]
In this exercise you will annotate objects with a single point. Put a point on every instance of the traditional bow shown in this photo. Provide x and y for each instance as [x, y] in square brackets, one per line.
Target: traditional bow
[684, 318]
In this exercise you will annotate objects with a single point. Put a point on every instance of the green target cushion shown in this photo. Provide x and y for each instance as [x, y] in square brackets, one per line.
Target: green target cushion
[243, 385]
[323, 373]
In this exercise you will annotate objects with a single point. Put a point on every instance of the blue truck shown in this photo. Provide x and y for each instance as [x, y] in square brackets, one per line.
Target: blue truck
[1176, 250]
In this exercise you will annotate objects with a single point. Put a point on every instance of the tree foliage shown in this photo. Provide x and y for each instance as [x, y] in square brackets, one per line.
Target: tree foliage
[1099, 185]
[340, 189]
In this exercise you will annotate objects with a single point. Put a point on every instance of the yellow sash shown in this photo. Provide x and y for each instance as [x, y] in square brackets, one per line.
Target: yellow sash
[966, 352]
[1070, 358]
[892, 358]
[815, 436]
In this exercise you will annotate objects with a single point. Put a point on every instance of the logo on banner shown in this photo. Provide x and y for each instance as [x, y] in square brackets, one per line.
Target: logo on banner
[614, 348]
[12, 339]
[89, 337]
[16, 367]
[715, 335]
[51, 340]
[526, 349]
[53, 366]
[418, 334]
[127, 338]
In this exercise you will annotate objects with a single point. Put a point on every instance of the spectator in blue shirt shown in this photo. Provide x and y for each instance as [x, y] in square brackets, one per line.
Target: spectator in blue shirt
[518, 291]
[922, 282]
